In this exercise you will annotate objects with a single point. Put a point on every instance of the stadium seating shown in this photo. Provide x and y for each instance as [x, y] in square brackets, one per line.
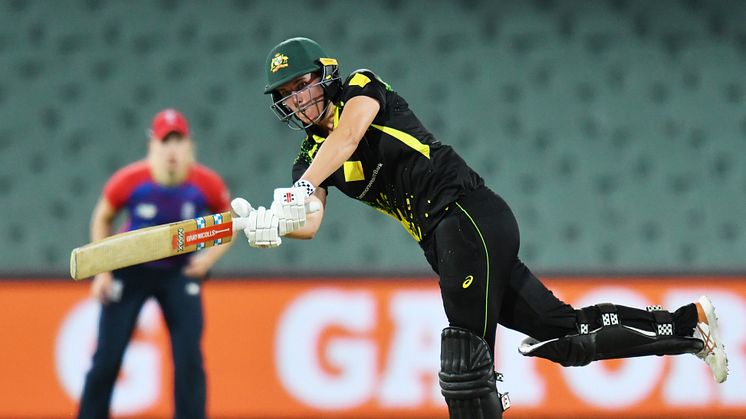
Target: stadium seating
[614, 128]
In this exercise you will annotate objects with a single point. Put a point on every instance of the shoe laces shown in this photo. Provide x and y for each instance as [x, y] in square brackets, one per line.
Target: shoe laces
[703, 329]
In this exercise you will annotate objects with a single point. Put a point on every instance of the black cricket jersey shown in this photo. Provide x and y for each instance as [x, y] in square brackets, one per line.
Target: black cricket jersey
[398, 167]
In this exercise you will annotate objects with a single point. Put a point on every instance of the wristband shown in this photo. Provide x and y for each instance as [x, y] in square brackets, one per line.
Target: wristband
[306, 185]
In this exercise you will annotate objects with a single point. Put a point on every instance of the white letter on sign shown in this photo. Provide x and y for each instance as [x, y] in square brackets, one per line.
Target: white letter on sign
[299, 357]
[414, 358]
[140, 386]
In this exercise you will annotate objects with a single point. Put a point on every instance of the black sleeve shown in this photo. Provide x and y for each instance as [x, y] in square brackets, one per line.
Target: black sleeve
[303, 160]
[365, 83]
[298, 169]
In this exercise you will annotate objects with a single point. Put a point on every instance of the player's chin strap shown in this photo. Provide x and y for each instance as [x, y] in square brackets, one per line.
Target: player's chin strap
[612, 339]
[468, 378]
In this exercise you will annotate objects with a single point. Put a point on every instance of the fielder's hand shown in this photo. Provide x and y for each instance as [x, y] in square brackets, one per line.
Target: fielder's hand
[105, 288]
[259, 225]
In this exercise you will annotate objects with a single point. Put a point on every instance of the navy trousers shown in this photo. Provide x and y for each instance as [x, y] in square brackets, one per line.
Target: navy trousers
[180, 300]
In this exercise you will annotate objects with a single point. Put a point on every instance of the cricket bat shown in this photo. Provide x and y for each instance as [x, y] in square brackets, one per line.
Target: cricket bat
[150, 243]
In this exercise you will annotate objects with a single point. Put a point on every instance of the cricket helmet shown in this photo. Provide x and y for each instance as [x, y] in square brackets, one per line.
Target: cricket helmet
[293, 58]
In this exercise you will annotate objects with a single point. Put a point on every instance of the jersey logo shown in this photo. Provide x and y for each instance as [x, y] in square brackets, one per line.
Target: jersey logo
[187, 210]
[373, 176]
[359, 79]
[278, 61]
[469, 279]
[146, 211]
[354, 171]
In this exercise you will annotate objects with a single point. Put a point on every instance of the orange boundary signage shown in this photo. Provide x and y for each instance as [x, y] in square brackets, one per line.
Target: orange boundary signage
[352, 349]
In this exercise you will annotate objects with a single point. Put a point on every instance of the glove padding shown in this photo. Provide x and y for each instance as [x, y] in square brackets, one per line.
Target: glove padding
[290, 206]
[259, 225]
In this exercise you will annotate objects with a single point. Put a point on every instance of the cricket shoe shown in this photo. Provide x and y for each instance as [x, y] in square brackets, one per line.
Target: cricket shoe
[713, 352]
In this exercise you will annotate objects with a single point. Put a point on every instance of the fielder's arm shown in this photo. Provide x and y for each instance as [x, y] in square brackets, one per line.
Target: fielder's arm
[102, 220]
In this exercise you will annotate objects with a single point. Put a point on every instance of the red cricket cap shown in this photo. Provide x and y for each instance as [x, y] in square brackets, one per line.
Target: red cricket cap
[168, 121]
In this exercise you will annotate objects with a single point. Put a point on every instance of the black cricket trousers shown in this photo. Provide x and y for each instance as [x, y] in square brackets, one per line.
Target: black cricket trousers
[180, 300]
[474, 250]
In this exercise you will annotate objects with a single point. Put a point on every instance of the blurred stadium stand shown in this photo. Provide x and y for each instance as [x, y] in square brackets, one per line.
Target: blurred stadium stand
[616, 129]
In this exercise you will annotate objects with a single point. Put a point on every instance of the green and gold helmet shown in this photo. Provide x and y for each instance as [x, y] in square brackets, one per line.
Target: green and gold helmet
[296, 57]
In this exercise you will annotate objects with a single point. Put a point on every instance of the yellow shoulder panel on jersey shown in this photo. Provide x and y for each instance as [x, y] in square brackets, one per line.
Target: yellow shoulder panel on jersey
[359, 79]
[407, 139]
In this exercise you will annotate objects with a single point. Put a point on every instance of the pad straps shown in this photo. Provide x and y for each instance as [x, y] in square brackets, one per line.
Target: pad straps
[609, 315]
[663, 320]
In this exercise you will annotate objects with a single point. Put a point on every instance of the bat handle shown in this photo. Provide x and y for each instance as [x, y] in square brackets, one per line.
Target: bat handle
[240, 223]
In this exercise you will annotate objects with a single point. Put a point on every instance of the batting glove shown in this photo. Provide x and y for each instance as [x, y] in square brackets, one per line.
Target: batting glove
[289, 205]
[259, 225]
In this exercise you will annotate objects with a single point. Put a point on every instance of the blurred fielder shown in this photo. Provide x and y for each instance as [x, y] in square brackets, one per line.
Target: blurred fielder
[167, 186]
[362, 138]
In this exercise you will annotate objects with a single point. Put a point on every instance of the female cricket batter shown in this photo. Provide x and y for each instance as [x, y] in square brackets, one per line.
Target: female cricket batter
[167, 186]
[362, 138]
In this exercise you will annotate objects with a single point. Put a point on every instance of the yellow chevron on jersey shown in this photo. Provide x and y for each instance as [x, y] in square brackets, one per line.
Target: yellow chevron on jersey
[407, 139]
[354, 171]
